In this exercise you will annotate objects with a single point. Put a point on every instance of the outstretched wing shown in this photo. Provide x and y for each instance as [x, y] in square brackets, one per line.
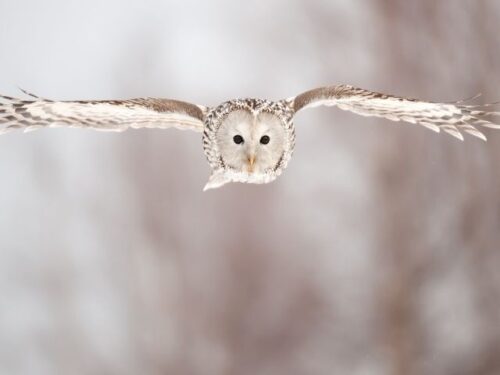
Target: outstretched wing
[107, 115]
[449, 117]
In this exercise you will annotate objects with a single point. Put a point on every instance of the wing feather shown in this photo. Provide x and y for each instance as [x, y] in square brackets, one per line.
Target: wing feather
[452, 118]
[105, 115]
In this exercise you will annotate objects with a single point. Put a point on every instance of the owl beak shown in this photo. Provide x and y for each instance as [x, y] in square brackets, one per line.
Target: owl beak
[251, 162]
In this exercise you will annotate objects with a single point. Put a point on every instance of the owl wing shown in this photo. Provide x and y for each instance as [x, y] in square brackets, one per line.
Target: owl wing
[449, 117]
[107, 115]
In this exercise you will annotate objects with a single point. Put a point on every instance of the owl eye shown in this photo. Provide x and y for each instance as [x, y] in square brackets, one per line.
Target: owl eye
[238, 139]
[265, 139]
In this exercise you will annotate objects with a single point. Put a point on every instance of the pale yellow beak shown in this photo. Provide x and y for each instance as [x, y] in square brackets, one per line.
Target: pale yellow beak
[251, 162]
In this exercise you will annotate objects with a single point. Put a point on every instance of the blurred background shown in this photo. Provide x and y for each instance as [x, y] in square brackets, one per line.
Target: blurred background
[376, 252]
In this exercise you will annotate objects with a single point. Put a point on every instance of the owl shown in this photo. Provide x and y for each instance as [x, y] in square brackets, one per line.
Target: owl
[244, 140]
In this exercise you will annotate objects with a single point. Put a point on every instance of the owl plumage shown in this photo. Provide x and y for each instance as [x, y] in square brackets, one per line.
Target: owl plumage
[244, 140]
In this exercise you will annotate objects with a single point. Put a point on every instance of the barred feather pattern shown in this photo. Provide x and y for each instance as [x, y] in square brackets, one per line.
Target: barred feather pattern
[452, 118]
[106, 115]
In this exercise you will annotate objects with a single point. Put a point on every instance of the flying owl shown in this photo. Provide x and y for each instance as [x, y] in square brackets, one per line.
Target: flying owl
[244, 140]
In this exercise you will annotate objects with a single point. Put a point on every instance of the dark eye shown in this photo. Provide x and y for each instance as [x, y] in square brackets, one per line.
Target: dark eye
[265, 139]
[238, 139]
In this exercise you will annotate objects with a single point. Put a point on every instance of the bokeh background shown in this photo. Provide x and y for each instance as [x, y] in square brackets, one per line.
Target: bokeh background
[377, 251]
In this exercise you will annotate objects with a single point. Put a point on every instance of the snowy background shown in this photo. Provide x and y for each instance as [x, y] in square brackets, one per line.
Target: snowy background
[376, 252]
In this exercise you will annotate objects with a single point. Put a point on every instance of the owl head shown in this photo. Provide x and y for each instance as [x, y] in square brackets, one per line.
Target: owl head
[248, 140]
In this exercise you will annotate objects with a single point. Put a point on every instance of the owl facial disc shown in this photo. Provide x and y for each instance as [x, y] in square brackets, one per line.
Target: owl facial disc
[249, 140]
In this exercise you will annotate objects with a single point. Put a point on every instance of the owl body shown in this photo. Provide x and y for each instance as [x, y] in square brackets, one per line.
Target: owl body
[244, 140]
[248, 140]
